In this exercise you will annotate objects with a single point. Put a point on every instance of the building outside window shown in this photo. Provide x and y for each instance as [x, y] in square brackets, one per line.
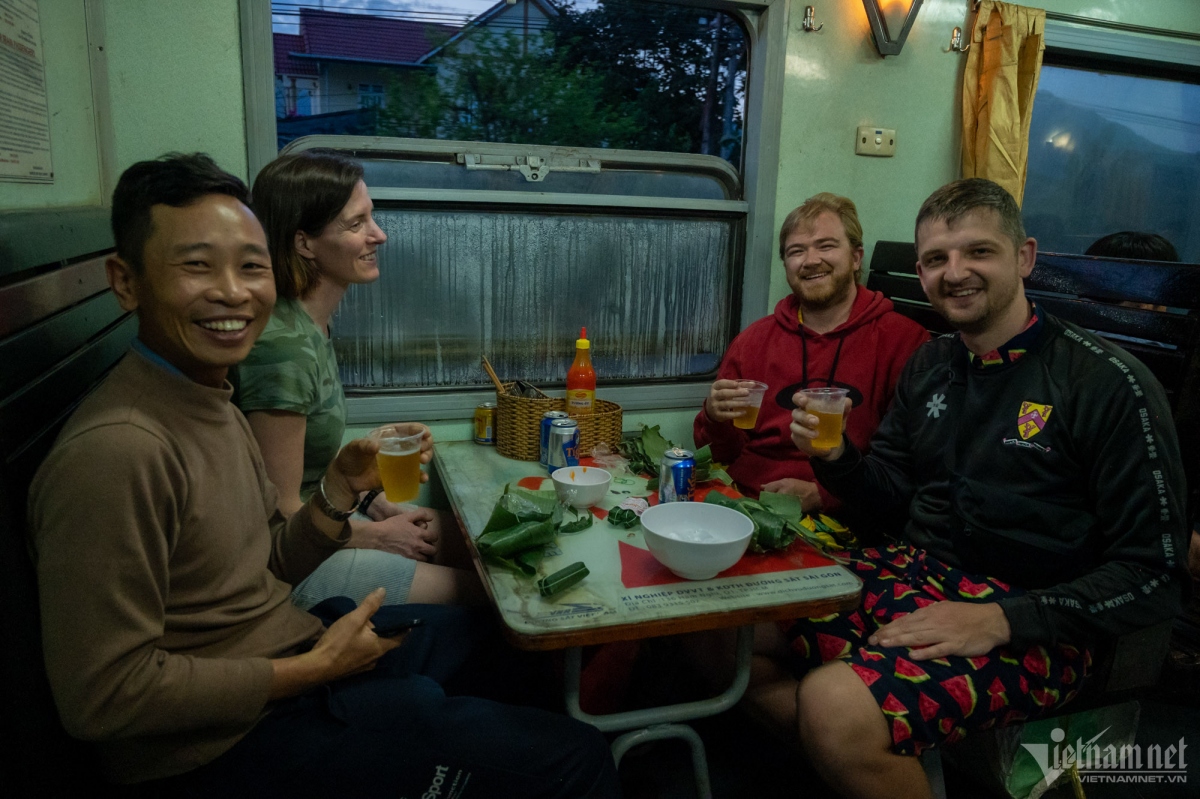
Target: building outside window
[583, 73]
[370, 95]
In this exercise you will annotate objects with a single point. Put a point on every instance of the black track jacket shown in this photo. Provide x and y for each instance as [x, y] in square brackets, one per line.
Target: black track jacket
[1059, 473]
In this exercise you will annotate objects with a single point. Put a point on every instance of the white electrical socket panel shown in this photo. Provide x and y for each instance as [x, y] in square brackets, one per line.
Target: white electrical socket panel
[875, 141]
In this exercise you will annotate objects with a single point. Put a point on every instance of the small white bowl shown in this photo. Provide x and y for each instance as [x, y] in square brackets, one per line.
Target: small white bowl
[696, 540]
[581, 486]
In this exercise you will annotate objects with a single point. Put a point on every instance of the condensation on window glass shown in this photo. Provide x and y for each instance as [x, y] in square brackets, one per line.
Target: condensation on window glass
[656, 295]
[579, 73]
[1110, 153]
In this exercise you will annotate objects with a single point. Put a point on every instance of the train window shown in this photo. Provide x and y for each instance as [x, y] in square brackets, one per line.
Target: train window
[1112, 151]
[618, 74]
[510, 249]
[538, 165]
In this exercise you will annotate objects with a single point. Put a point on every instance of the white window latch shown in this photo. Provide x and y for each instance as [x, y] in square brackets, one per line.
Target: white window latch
[535, 168]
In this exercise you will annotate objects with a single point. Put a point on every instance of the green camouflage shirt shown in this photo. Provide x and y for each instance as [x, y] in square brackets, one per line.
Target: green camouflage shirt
[293, 368]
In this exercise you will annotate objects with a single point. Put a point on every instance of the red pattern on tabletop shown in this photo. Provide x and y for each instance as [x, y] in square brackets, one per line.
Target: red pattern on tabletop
[639, 569]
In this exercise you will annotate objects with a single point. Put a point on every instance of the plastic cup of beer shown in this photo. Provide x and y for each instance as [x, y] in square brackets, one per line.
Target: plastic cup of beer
[399, 461]
[749, 417]
[827, 405]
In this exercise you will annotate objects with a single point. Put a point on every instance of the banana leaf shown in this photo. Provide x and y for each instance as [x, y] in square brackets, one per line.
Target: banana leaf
[717, 498]
[645, 452]
[502, 543]
[582, 521]
[654, 445]
[562, 579]
[524, 562]
[623, 517]
[518, 505]
[771, 530]
[785, 505]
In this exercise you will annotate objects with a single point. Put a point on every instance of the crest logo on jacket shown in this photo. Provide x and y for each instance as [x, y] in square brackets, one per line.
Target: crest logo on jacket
[1032, 419]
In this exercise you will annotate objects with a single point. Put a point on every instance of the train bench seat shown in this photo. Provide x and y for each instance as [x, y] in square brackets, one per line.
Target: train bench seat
[1105, 296]
[61, 331]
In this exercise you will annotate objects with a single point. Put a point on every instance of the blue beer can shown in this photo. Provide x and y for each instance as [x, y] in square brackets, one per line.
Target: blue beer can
[677, 476]
[547, 418]
[563, 446]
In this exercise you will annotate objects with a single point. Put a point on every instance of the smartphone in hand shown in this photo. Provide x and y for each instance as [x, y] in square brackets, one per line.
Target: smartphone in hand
[385, 629]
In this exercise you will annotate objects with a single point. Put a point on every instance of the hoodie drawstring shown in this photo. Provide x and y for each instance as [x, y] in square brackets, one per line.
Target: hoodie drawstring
[837, 355]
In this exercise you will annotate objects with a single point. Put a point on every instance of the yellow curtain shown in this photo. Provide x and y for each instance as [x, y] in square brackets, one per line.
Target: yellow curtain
[998, 88]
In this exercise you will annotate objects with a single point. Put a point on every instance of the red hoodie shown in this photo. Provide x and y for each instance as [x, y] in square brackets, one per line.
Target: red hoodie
[865, 354]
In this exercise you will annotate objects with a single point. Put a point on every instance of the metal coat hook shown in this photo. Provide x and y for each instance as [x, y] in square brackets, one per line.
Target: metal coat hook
[956, 38]
[809, 21]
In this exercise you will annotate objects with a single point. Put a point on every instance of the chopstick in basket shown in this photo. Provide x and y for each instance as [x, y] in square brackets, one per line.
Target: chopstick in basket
[487, 367]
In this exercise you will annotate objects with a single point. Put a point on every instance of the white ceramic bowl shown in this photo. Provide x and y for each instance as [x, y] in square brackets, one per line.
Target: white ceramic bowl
[581, 486]
[696, 540]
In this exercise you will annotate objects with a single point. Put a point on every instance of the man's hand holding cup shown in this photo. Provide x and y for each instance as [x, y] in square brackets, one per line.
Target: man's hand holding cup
[819, 422]
[735, 401]
[727, 400]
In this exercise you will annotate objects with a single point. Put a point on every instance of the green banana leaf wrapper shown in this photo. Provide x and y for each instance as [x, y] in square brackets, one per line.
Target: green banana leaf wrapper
[779, 520]
[522, 523]
[519, 537]
[518, 505]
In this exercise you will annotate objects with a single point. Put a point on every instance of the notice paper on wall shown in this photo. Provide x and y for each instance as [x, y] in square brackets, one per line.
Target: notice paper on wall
[24, 113]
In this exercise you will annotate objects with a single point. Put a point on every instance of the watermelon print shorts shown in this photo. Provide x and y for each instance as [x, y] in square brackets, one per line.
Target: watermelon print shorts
[935, 701]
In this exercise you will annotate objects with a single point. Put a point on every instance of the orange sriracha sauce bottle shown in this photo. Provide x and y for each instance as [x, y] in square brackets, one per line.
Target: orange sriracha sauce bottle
[581, 378]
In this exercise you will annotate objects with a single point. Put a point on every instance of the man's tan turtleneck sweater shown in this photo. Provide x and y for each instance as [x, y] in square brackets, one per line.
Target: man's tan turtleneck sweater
[161, 563]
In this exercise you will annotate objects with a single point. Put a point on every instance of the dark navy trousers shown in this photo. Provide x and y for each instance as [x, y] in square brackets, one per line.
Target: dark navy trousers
[407, 729]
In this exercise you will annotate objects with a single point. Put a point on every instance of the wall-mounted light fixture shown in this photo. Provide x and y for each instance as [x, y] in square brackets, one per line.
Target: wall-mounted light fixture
[879, 27]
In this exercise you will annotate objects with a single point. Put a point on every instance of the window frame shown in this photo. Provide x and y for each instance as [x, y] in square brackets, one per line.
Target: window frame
[1122, 49]
[766, 25]
[1171, 54]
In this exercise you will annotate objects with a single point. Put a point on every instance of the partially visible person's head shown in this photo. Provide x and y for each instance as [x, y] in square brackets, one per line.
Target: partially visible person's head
[972, 256]
[1132, 244]
[820, 243]
[317, 214]
[174, 179]
[192, 261]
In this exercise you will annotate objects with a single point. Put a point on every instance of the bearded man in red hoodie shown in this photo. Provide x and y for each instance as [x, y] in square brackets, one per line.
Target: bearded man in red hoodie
[830, 331]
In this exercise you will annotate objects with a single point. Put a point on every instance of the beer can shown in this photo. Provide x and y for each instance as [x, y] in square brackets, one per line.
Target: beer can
[677, 476]
[547, 418]
[563, 445]
[485, 423]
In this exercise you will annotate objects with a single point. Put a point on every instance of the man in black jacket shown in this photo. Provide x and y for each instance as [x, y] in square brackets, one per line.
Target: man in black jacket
[1035, 471]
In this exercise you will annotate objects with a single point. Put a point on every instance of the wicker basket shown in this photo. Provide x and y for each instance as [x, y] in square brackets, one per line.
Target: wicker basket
[519, 421]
